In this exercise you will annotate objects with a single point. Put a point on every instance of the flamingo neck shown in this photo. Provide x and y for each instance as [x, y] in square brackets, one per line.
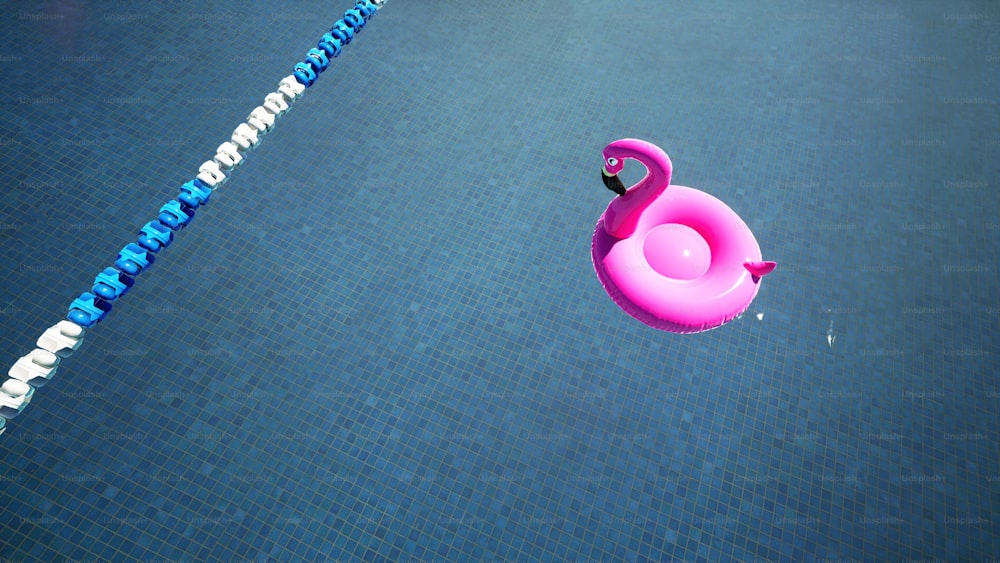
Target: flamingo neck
[623, 214]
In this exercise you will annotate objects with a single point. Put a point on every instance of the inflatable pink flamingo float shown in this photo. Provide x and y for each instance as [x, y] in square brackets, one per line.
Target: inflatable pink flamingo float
[675, 258]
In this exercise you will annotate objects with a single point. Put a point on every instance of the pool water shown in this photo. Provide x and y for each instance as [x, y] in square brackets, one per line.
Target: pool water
[383, 338]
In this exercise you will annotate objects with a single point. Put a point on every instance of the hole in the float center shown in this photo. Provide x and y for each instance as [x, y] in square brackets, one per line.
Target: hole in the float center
[677, 251]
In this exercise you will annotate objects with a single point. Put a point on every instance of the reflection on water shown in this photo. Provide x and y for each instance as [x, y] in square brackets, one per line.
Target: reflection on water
[830, 336]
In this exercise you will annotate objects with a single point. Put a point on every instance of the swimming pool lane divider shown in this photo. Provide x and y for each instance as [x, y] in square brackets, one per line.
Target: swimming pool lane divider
[63, 338]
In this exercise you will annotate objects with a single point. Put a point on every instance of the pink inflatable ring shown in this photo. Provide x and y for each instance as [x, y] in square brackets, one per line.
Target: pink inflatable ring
[677, 259]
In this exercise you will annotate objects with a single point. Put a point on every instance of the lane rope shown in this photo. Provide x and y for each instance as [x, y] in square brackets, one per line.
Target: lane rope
[59, 341]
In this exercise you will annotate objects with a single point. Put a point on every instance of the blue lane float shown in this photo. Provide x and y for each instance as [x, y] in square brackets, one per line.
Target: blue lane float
[60, 340]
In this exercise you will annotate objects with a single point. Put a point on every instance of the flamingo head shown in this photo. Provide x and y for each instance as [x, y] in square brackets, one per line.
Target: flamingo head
[612, 166]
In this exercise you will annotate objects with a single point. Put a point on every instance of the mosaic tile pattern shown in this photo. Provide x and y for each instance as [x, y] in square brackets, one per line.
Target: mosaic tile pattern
[384, 340]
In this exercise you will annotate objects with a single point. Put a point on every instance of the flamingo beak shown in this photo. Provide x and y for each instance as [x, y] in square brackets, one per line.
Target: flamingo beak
[612, 182]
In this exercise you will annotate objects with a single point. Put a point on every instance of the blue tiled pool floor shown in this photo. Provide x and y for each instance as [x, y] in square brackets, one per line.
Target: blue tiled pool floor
[383, 339]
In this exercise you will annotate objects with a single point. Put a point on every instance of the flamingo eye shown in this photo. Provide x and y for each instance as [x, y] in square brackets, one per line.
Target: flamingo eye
[612, 161]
